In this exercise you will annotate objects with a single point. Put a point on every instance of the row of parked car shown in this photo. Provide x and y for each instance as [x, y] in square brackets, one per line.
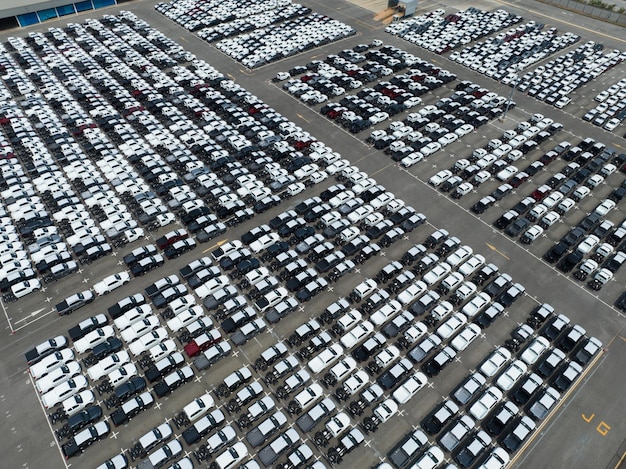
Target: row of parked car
[369, 106]
[530, 384]
[560, 77]
[433, 127]
[440, 33]
[516, 49]
[256, 40]
[610, 111]
[94, 169]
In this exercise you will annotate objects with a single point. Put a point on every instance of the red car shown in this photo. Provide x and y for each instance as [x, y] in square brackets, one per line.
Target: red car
[202, 342]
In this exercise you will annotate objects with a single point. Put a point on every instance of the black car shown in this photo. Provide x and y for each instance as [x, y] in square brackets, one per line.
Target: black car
[573, 236]
[570, 261]
[517, 227]
[557, 251]
[179, 248]
[440, 416]
[84, 418]
[483, 204]
[103, 350]
[434, 366]
[135, 385]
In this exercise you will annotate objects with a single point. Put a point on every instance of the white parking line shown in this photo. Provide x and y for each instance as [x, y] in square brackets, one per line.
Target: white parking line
[32, 382]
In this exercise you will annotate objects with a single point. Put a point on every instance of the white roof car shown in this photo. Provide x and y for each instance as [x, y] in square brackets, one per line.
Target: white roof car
[325, 358]
[25, 287]
[107, 365]
[452, 324]
[546, 401]
[93, 338]
[58, 376]
[439, 178]
[78, 402]
[511, 375]
[357, 334]
[605, 207]
[431, 459]
[460, 255]
[51, 362]
[465, 337]
[110, 283]
[409, 387]
[409, 294]
[198, 407]
[233, 455]
[147, 341]
[122, 374]
[497, 459]
[495, 361]
[476, 304]
[534, 350]
[64, 391]
[437, 273]
[487, 401]
[140, 328]
[385, 410]
[470, 265]
[131, 317]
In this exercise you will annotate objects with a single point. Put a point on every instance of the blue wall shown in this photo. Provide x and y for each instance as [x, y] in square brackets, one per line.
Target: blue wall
[69, 9]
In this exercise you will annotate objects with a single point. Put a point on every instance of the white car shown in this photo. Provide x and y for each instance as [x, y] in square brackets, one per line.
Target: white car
[122, 374]
[58, 376]
[534, 350]
[140, 328]
[605, 207]
[51, 362]
[471, 265]
[612, 124]
[409, 387]
[441, 177]
[357, 334]
[487, 401]
[25, 287]
[411, 159]
[233, 455]
[430, 148]
[110, 283]
[185, 318]
[464, 130]
[325, 358]
[78, 402]
[378, 117]
[107, 365]
[148, 340]
[452, 324]
[511, 375]
[131, 317]
[385, 410]
[507, 173]
[198, 407]
[495, 361]
[64, 391]
[437, 273]
[410, 294]
[448, 138]
[465, 337]
[93, 338]
[462, 254]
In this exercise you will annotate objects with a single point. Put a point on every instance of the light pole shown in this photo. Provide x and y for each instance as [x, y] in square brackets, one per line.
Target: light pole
[518, 68]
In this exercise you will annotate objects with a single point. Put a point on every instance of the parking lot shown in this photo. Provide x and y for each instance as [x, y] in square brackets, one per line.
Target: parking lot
[190, 172]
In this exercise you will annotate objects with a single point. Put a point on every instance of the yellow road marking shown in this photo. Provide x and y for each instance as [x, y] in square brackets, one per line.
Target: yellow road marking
[216, 245]
[494, 249]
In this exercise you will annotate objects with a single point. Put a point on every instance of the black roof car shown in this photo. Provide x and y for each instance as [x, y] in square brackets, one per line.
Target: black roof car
[84, 418]
[135, 385]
